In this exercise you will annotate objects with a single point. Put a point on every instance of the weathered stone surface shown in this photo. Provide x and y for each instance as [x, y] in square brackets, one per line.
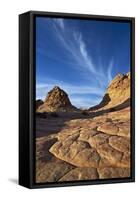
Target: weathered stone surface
[93, 148]
[98, 139]
[48, 167]
[63, 135]
[88, 157]
[112, 155]
[51, 171]
[81, 174]
[125, 162]
[57, 100]
[108, 128]
[124, 129]
[76, 152]
[85, 135]
[120, 143]
[104, 162]
[113, 172]
[120, 129]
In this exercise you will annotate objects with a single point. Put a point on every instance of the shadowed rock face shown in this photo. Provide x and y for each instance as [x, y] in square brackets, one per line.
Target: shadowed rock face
[38, 103]
[117, 92]
[57, 100]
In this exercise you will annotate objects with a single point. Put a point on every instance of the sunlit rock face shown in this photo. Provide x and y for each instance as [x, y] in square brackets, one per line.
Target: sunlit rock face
[117, 93]
[57, 100]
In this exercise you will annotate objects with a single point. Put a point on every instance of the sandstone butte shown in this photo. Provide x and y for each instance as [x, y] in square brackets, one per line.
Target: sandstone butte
[56, 100]
[90, 147]
[117, 93]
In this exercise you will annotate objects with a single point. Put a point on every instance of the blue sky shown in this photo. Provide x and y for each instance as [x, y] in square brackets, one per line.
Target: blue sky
[80, 56]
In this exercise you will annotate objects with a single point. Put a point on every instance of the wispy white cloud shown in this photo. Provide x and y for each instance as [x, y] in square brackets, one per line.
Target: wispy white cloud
[59, 22]
[109, 71]
[48, 84]
[73, 42]
[84, 54]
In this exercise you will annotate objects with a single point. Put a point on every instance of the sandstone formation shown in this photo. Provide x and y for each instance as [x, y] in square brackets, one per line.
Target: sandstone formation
[57, 100]
[48, 167]
[86, 147]
[91, 146]
[117, 95]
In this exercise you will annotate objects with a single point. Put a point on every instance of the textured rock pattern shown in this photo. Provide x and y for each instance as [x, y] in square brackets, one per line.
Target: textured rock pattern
[117, 93]
[88, 146]
[56, 100]
[85, 149]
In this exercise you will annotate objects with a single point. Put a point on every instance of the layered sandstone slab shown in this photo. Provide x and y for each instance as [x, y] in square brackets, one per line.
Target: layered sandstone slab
[87, 147]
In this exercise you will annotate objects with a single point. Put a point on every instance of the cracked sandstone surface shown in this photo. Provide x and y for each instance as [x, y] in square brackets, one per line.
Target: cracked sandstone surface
[85, 149]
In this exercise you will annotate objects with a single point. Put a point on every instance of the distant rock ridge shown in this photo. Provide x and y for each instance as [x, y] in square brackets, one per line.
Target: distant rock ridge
[56, 100]
[38, 103]
[117, 93]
